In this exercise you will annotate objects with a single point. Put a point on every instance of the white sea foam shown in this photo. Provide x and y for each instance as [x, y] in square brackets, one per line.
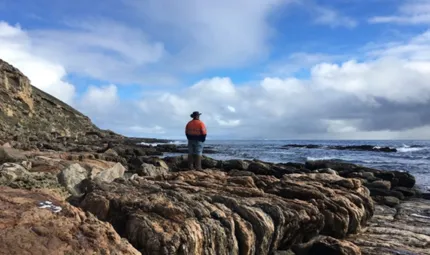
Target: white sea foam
[149, 144]
[178, 142]
[409, 149]
[157, 144]
[319, 158]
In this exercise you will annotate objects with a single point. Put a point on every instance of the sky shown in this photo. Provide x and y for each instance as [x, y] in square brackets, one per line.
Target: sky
[272, 69]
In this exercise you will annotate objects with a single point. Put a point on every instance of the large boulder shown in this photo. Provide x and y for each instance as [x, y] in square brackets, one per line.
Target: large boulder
[25, 228]
[10, 155]
[404, 179]
[109, 175]
[71, 177]
[152, 170]
[210, 163]
[213, 212]
[235, 164]
[258, 167]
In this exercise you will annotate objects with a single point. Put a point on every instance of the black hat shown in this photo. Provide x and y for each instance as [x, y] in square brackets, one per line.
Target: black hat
[196, 113]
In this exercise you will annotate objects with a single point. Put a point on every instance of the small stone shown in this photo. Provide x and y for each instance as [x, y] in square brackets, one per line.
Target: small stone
[407, 192]
[385, 185]
[326, 171]
[27, 164]
[111, 152]
[391, 201]
[368, 175]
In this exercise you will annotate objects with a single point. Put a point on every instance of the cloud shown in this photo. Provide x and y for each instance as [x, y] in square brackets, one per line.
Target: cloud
[382, 95]
[333, 18]
[101, 49]
[147, 130]
[385, 96]
[416, 49]
[156, 42]
[211, 34]
[17, 48]
[100, 100]
[299, 61]
[410, 12]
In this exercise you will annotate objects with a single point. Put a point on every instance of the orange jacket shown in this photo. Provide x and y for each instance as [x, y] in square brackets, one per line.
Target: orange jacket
[196, 130]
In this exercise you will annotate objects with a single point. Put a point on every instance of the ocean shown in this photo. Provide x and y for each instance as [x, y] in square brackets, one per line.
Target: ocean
[411, 156]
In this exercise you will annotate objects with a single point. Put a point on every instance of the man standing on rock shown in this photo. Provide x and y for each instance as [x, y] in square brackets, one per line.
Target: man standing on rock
[196, 135]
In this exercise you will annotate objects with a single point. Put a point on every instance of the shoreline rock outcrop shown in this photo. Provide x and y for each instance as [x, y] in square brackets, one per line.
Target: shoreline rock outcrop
[213, 212]
[25, 228]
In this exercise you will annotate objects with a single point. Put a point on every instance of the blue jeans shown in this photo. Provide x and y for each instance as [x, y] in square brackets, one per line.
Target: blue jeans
[195, 147]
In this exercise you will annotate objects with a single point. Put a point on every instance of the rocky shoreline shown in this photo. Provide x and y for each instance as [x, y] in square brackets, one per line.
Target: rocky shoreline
[232, 207]
[69, 187]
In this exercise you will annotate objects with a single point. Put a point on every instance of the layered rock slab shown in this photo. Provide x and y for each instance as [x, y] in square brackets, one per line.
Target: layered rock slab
[214, 212]
[27, 229]
[402, 230]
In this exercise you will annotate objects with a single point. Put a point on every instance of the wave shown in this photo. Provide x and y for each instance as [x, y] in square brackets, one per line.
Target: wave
[157, 144]
[319, 158]
[178, 142]
[410, 149]
[149, 144]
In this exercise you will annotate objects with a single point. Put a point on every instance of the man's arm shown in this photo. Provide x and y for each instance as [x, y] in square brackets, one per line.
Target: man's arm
[203, 131]
[186, 131]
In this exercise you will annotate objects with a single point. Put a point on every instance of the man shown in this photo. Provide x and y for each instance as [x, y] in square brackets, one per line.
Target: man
[196, 135]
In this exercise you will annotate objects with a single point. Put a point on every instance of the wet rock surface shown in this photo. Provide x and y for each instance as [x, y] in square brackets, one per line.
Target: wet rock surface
[27, 229]
[402, 230]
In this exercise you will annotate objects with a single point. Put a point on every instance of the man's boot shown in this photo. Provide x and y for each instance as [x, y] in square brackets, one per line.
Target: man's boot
[198, 162]
[191, 160]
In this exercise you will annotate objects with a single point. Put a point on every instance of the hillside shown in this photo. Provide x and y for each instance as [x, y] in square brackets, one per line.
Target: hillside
[29, 115]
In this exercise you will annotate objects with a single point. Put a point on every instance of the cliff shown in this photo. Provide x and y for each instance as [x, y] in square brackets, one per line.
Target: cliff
[29, 116]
